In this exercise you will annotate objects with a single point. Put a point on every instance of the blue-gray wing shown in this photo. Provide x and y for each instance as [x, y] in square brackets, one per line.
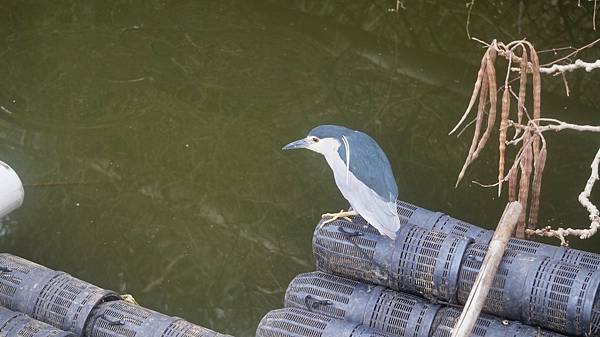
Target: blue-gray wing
[370, 165]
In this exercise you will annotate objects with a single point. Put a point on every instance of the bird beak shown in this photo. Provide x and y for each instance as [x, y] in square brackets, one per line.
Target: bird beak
[299, 144]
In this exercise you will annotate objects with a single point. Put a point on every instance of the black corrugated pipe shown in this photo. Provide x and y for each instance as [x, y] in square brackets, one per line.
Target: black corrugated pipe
[122, 319]
[417, 216]
[388, 311]
[74, 305]
[15, 324]
[533, 289]
[53, 297]
[294, 322]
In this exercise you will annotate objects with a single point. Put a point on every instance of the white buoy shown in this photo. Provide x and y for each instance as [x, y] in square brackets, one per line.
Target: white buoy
[11, 190]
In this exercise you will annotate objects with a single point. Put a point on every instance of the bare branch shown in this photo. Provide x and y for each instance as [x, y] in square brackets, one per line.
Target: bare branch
[562, 68]
[560, 126]
[568, 56]
[584, 200]
[584, 196]
[485, 278]
[565, 126]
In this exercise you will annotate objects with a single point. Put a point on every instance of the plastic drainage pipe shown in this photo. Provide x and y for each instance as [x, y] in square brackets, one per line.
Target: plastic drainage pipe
[14, 324]
[122, 319]
[84, 309]
[385, 310]
[419, 261]
[294, 322]
[534, 289]
[379, 308]
[411, 215]
[11, 190]
[53, 297]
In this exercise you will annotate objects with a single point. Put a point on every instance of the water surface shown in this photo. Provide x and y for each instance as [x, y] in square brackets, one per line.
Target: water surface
[148, 133]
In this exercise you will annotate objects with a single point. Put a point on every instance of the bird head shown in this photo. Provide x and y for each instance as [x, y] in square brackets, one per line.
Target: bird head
[323, 139]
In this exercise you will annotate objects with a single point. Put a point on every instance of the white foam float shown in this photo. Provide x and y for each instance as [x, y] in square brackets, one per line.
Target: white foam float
[11, 190]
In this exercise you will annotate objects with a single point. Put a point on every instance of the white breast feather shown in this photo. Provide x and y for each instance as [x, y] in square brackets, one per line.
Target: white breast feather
[381, 214]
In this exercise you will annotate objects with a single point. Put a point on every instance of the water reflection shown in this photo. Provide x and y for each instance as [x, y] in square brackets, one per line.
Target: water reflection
[149, 135]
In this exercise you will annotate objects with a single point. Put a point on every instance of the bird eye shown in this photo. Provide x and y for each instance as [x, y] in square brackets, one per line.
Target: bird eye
[315, 139]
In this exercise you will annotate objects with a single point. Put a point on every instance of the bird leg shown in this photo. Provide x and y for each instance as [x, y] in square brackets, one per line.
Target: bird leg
[340, 215]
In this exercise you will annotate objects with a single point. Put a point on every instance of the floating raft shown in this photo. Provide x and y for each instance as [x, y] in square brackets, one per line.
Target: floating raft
[76, 308]
[319, 304]
[533, 289]
[370, 285]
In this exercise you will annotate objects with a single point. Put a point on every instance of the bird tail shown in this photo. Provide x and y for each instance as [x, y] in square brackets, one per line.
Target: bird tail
[390, 229]
[389, 233]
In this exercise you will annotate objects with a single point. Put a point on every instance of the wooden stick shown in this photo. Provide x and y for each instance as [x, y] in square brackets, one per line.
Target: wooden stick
[485, 278]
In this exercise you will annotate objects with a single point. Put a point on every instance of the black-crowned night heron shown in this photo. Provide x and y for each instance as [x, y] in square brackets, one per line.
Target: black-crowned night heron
[362, 172]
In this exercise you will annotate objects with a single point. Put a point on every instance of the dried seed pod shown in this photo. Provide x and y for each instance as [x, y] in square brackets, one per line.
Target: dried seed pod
[537, 92]
[525, 166]
[483, 94]
[502, 137]
[476, 89]
[537, 85]
[522, 90]
[513, 179]
[539, 163]
[491, 73]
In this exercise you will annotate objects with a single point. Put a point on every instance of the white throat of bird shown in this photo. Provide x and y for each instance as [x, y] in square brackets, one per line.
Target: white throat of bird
[328, 147]
[325, 146]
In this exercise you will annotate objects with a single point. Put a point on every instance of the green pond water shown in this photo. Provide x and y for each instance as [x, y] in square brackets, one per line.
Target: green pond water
[149, 133]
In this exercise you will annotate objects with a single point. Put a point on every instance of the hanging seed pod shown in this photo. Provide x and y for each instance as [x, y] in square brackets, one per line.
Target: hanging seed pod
[537, 84]
[476, 90]
[522, 90]
[537, 90]
[502, 137]
[491, 73]
[525, 166]
[539, 163]
[483, 94]
[513, 184]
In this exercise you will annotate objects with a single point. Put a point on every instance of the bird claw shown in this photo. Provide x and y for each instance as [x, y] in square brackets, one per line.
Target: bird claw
[340, 215]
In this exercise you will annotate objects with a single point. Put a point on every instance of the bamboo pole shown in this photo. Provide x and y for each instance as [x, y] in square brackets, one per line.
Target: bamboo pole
[465, 323]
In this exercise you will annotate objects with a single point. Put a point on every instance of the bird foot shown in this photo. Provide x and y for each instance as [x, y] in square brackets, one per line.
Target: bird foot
[340, 215]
